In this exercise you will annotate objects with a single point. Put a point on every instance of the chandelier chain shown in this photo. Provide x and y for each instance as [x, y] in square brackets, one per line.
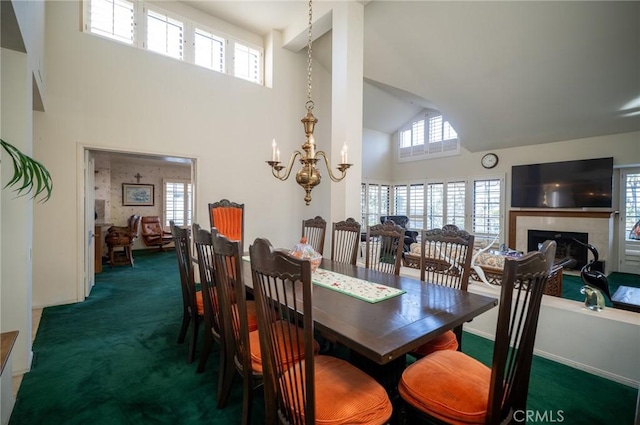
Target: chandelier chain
[309, 60]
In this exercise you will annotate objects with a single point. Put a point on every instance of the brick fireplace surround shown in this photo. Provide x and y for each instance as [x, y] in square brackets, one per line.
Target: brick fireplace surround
[597, 224]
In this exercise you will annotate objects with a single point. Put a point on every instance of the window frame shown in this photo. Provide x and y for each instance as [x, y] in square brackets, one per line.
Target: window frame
[188, 200]
[140, 12]
[421, 147]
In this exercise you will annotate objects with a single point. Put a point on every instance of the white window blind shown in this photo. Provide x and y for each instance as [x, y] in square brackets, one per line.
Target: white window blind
[177, 202]
[441, 139]
[209, 50]
[377, 203]
[400, 200]
[486, 206]
[416, 206]
[113, 19]
[435, 206]
[631, 202]
[164, 34]
[456, 192]
[144, 25]
[247, 63]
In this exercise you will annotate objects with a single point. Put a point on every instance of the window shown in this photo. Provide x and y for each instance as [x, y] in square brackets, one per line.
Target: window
[164, 34]
[416, 206]
[631, 185]
[247, 63]
[435, 206]
[112, 19]
[377, 203]
[177, 202]
[441, 138]
[474, 205]
[145, 26]
[456, 203]
[487, 206]
[209, 50]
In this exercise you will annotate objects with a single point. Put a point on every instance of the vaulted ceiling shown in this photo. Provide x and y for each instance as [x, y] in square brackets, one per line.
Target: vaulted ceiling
[503, 73]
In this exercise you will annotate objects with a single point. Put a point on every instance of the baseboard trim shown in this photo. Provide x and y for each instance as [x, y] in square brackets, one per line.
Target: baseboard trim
[571, 363]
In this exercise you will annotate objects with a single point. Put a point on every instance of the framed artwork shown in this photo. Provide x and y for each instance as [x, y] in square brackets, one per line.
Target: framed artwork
[136, 194]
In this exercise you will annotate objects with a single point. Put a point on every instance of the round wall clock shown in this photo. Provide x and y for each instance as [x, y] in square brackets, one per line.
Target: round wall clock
[490, 160]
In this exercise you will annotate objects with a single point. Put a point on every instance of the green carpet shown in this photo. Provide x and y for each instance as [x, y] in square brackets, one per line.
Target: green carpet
[571, 285]
[113, 359]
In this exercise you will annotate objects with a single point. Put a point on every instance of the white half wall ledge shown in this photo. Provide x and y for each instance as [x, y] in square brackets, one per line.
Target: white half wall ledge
[605, 343]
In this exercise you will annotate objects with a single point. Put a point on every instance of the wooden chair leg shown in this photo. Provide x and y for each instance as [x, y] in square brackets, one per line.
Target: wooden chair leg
[186, 318]
[225, 379]
[111, 262]
[247, 399]
[194, 340]
[206, 350]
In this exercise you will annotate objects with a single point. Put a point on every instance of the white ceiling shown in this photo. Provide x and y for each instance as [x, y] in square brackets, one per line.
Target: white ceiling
[504, 73]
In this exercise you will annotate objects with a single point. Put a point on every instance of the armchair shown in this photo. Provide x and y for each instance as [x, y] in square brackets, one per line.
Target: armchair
[122, 237]
[410, 236]
[153, 234]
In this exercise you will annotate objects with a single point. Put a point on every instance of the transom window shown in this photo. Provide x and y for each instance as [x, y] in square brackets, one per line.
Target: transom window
[149, 27]
[429, 135]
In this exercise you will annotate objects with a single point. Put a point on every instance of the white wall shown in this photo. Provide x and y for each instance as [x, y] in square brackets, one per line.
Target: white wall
[376, 155]
[104, 95]
[605, 343]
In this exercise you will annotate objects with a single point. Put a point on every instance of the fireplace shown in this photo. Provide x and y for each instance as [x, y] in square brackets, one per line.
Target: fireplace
[566, 245]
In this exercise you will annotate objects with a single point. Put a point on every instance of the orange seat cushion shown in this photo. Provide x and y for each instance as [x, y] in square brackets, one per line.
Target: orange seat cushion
[228, 221]
[446, 341]
[280, 327]
[199, 303]
[343, 394]
[448, 385]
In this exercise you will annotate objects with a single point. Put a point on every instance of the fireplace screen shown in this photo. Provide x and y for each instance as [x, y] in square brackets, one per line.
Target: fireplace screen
[567, 247]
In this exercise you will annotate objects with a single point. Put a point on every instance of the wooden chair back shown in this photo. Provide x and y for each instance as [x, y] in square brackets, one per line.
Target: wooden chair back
[203, 242]
[283, 283]
[228, 218]
[384, 247]
[233, 308]
[314, 229]
[345, 240]
[182, 240]
[523, 281]
[446, 256]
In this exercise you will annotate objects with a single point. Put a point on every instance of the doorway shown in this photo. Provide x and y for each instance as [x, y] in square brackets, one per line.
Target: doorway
[106, 173]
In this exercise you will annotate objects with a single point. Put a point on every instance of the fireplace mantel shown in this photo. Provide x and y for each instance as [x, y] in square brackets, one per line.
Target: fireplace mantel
[598, 224]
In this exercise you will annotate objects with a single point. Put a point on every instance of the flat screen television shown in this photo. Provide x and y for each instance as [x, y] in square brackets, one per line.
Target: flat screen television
[586, 183]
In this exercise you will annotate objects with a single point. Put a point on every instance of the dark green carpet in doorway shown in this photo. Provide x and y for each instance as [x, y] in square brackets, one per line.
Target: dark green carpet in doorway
[113, 359]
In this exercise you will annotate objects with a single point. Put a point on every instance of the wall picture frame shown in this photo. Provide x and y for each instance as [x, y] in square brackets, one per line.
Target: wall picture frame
[137, 194]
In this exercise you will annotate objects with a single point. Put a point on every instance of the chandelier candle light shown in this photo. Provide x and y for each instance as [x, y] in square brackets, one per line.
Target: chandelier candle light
[308, 176]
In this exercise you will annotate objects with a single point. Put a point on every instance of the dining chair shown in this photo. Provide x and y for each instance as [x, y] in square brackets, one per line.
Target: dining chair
[318, 389]
[314, 230]
[239, 321]
[445, 259]
[192, 303]
[212, 323]
[451, 387]
[228, 218]
[345, 240]
[384, 247]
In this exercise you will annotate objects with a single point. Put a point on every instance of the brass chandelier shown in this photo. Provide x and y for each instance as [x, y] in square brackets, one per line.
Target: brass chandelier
[308, 176]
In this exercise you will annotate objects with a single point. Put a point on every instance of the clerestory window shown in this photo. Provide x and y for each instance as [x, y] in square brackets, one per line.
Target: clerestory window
[149, 27]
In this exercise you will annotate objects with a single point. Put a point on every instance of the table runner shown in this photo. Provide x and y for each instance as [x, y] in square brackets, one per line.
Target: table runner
[352, 286]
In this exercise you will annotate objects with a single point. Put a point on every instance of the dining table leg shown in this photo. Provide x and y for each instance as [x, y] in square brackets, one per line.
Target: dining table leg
[388, 375]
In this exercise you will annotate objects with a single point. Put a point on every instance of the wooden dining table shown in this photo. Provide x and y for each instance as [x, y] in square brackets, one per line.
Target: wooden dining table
[379, 335]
